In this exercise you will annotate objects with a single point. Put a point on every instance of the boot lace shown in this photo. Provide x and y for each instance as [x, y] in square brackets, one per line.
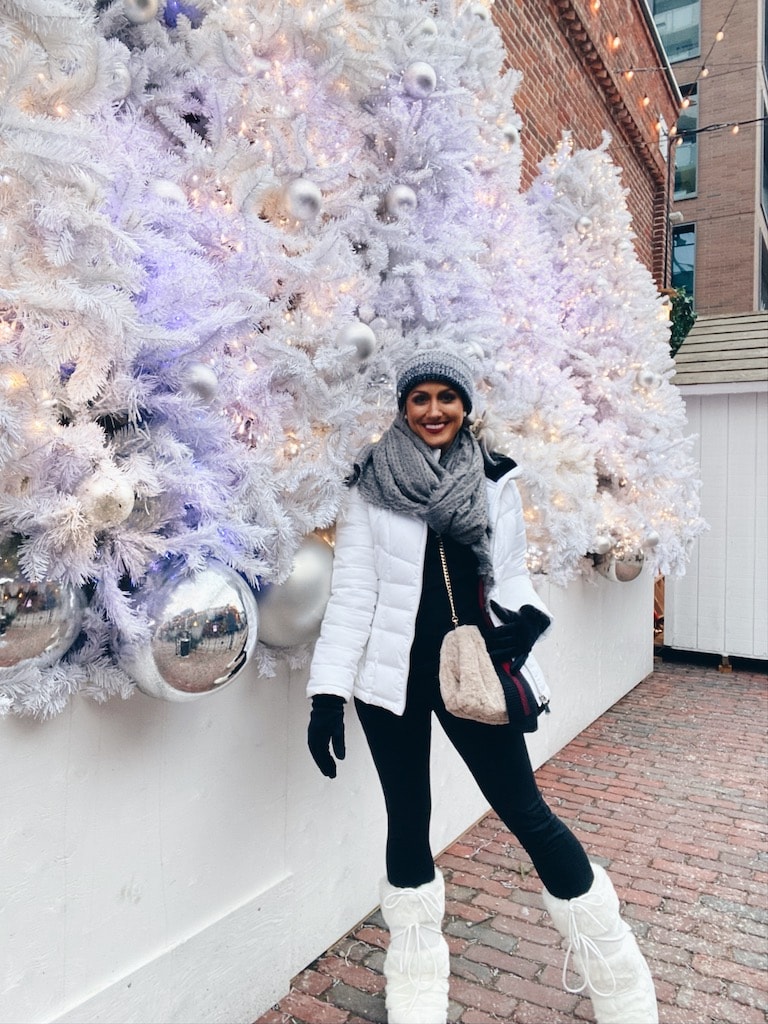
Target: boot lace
[411, 940]
[584, 946]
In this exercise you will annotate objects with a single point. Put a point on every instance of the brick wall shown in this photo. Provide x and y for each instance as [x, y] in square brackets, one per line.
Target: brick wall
[726, 209]
[573, 80]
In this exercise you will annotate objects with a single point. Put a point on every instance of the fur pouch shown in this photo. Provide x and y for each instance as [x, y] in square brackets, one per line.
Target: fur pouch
[469, 683]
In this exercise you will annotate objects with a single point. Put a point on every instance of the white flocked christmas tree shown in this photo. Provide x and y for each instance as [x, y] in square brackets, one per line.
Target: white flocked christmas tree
[223, 225]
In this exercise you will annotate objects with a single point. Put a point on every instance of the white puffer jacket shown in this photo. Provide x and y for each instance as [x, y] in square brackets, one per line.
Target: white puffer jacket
[365, 641]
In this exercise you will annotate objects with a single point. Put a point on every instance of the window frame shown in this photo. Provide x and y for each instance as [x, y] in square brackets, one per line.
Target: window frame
[677, 231]
[673, 7]
[688, 142]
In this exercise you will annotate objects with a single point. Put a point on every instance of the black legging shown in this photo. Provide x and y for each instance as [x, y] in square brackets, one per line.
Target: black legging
[498, 759]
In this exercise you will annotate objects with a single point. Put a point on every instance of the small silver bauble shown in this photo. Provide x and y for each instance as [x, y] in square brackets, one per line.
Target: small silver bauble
[602, 545]
[361, 336]
[303, 199]
[620, 568]
[480, 11]
[39, 622]
[400, 199]
[121, 81]
[290, 613]
[140, 11]
[419, 80]
[200, 379]
[584, 225]
[428, 27]
[511, 133]
[203, 630]
[107, 497]
[164, 189]
[652, 539]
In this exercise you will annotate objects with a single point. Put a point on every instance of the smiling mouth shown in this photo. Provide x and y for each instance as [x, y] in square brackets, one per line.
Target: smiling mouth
[435, 427]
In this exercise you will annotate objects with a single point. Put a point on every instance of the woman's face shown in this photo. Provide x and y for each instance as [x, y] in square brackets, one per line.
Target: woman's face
[435, 413]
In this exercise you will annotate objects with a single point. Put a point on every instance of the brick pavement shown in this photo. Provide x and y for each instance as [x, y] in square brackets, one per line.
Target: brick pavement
[668, 791]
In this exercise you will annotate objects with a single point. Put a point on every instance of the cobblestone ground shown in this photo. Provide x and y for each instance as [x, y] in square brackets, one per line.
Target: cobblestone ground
[668, 790]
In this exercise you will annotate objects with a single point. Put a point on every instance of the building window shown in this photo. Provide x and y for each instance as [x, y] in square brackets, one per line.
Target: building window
[678, 23]
[684, 257]
[686, 160]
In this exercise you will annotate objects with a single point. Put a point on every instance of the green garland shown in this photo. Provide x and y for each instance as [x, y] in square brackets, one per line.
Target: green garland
[682, 317]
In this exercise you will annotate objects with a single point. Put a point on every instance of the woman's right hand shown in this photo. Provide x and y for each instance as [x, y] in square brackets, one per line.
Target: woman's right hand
[326, 727]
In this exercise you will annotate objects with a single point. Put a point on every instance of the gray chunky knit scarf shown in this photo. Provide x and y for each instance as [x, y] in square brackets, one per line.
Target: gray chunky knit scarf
[401, 473]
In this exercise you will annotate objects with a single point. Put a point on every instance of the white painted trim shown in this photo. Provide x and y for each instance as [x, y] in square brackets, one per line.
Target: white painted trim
[243, 954]
[725, 388]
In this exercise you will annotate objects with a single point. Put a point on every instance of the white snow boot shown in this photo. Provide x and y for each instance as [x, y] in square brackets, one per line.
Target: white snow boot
[417, 964]
[603, 950]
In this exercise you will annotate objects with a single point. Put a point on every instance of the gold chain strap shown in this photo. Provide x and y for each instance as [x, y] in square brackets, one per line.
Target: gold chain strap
[441, 549]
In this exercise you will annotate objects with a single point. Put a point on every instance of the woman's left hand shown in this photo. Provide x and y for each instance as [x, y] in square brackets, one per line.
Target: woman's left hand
[513, 639]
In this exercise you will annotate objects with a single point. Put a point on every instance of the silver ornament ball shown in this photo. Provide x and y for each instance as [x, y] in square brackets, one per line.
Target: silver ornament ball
[511, 133]
[646, 378]
[480, 11]
[583, 225]
[290, 613]
[303, 199]
[620, 568]
[652, 539]
[203, 630]
[400, 199]
[200, 380]
[361, 337]
[419, 80]
[165, 189]
[140, 11]
[107, 497]
[40, 621]
[121, 81]
[602, 545]
[428, 27]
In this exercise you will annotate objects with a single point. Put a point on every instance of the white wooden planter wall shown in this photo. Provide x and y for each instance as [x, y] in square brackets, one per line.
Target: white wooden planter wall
[181, 862]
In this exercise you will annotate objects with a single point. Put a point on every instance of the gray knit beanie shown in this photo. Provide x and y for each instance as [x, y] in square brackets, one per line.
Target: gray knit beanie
[435, 364]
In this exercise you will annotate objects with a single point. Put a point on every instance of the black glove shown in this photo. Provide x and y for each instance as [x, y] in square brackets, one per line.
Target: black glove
[326, 726]
[513, 639]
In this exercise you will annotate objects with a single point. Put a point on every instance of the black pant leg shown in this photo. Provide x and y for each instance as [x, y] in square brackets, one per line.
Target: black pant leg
[497, 757]
[400, 747]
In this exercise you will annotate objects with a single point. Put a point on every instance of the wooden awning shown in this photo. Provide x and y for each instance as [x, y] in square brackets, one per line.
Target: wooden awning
[724, 350]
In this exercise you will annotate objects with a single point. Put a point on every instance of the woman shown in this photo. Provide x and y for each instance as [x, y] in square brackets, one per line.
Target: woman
[427, 479]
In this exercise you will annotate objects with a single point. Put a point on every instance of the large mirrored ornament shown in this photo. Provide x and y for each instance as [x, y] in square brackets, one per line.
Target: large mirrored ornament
[290, 613]
[38, 621]
[620, 568]
[140, 11]
[203, 630]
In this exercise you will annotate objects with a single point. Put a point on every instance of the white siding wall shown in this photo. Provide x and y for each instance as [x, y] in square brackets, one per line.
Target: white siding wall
[176, 863]
[721, 605]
